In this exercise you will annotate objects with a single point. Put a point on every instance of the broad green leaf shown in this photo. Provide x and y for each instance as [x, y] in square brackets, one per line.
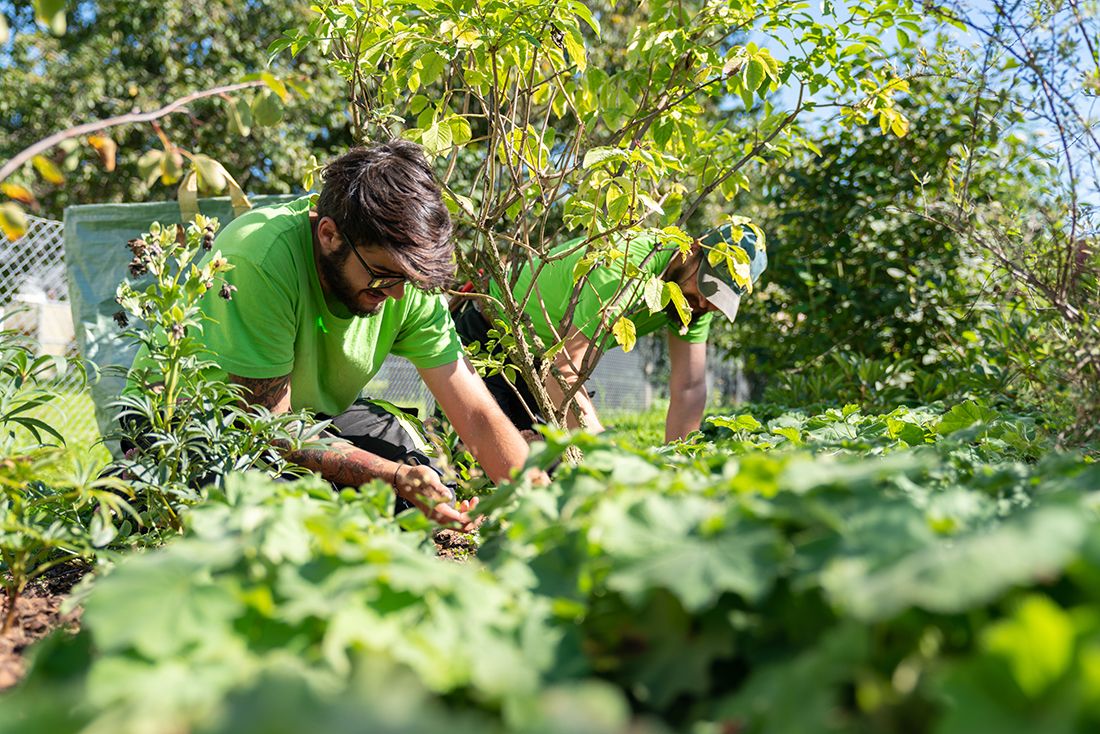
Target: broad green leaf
[267, 110]
[964, 415]
[149, 165]
[48, 170]
[753, 74]
[13, 221]
[625, 333]
[431, 66]
[584, 266]
[1037, 641]
[596, 156]
[437, 139]
[738, 423]
[460, 129]
[574, 44]
[582, 11]
[240, 116]
[654, 294]
[172, 604]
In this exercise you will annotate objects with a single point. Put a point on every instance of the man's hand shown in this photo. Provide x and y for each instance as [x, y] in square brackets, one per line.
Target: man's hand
[420, 485]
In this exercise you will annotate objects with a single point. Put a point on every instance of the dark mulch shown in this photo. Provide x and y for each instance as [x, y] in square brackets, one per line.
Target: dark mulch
[38, 612]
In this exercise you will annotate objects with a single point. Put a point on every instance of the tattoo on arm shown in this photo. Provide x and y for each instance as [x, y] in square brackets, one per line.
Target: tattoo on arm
[343, 464]
[272, 393]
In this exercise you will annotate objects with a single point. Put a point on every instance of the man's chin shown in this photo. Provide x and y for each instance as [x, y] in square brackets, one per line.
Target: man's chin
[373, 308]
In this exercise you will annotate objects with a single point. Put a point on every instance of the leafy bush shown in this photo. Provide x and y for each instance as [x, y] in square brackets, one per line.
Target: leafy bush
[835, 572]
[187, 426]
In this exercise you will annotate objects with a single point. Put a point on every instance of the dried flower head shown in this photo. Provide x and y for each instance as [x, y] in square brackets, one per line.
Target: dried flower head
[121, 319]
[227, 291]
[138, 267]
[178, 331]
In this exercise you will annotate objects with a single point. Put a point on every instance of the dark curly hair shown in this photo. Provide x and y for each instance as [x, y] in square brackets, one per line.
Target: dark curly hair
[385, 195]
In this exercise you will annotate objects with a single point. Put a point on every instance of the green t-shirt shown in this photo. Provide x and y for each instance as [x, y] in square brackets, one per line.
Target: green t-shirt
[278, 321]
[555, 289]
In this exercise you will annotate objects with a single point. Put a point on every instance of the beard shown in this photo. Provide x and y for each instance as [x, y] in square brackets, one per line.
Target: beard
[339, 287]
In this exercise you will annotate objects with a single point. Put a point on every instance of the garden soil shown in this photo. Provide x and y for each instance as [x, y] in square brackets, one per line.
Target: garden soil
[38, 612]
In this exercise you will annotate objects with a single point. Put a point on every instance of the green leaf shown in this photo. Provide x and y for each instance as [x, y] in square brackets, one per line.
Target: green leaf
[267, 110]
[431, 66]
[437, 139]
[240, 117]
[574, 44]
[625, 333]
[584, 266]
[582, 11]
[964, 415]
[598, 156]
[753, 74]
[954, 574]
[1037, 641]
[654, 294]
[171, 604]
[738, 423]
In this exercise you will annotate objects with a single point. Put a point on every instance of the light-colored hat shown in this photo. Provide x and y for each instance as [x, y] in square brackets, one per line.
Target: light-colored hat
[717, 283]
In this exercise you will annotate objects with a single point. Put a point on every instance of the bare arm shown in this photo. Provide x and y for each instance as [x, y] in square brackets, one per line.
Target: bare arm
[687, 387]
[477, 418]
[346, 465]
[568, 362]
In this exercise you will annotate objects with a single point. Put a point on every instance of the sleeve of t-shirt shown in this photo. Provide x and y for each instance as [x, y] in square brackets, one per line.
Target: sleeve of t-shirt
[697, 333]
[602, 286]
[427, 337]
[251, 335]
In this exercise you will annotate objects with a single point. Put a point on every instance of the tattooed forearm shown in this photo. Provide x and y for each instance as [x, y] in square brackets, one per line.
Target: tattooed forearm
[343, 464]
[272, 393]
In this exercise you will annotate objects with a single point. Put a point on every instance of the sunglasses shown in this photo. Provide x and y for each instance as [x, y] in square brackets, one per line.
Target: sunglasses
[378, 281]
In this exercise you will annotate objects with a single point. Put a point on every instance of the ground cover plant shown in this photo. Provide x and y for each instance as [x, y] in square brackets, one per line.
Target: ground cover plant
[921, 570]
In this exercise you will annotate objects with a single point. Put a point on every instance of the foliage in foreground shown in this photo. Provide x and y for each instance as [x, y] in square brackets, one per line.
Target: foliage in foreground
[54, 507]
[910, 572]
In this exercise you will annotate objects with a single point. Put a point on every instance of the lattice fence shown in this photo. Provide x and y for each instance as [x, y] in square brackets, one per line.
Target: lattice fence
[34, 302]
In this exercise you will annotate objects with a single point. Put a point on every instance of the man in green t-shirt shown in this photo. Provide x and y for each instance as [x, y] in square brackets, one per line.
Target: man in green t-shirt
[706, 287]
[322, 293]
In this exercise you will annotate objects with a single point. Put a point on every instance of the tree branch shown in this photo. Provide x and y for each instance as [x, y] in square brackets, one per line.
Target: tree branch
[90, 127]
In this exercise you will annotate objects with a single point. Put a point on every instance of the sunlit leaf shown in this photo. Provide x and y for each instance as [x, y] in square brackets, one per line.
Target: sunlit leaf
[13, 221]
[48, 170]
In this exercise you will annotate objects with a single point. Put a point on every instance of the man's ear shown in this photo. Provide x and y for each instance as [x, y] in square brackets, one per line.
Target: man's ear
[328, 236]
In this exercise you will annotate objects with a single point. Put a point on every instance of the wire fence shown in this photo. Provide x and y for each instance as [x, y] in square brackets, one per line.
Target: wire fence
[34, 301]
